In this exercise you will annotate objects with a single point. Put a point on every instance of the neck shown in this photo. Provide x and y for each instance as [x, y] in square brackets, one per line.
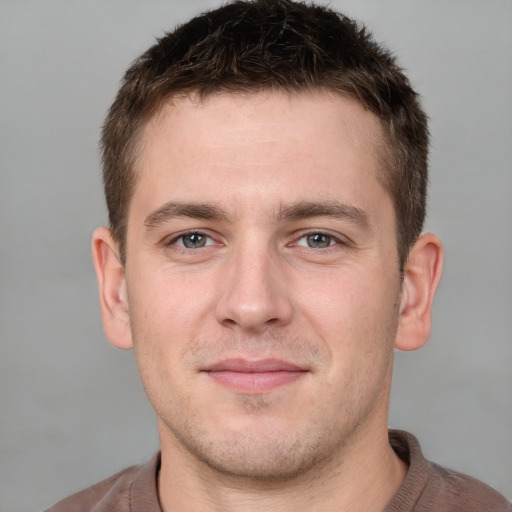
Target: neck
[363, 478]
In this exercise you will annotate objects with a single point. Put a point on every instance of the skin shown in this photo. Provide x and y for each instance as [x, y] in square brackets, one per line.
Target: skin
[260, 238]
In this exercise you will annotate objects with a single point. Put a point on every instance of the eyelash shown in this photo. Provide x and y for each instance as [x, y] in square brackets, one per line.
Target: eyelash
[209, 241]
[191, 233]
[334, 240]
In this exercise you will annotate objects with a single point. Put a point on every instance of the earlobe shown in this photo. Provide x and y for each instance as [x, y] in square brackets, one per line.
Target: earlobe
[112, 288]
[422, 273]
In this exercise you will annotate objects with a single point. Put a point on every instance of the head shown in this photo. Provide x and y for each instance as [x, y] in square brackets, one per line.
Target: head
[265, 171]
[274, 45]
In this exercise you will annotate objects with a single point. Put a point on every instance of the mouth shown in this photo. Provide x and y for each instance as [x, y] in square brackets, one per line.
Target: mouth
[253, 377]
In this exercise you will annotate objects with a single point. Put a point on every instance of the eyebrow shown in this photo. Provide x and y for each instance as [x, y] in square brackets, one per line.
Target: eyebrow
[293, 212]
[332, 209]
[172, 210]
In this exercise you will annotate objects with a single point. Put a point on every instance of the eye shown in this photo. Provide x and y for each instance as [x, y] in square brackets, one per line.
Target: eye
[317, 240]
[194, 240]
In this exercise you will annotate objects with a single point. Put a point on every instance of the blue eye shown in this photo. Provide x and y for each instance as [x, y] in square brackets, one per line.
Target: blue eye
[193, 240]
[317, 241]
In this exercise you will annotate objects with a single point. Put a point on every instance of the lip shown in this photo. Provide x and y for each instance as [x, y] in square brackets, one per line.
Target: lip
[253, 377]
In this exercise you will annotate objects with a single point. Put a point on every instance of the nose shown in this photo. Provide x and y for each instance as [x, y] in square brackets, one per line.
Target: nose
[255, 294]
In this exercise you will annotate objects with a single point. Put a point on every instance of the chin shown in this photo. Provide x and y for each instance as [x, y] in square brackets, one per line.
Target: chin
[262, 457]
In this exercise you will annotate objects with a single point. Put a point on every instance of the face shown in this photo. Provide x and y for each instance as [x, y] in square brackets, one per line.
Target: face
[262, 282]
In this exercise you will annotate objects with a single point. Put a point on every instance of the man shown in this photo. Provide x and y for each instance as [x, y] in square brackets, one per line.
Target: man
[265, 171]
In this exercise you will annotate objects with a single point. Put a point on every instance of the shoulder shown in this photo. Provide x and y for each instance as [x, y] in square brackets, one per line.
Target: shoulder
[429, 487]
[462, 492]
[118, 493]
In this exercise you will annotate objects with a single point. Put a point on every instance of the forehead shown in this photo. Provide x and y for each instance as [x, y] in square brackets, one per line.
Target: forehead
[269, 112]
[262, 147]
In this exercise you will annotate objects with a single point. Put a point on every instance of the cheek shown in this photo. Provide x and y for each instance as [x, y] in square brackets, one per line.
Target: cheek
[338, 303]
[169, 311]
[163, 305]
[355, 318]
[158, 327]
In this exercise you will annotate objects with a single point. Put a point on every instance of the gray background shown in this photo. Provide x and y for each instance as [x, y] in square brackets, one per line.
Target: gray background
[72, 408]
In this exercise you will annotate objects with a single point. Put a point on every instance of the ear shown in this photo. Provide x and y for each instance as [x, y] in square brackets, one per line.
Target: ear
[112, 285]
[422, 273]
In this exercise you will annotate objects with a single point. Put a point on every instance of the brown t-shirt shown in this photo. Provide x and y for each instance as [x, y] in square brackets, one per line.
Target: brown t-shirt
[427, 488]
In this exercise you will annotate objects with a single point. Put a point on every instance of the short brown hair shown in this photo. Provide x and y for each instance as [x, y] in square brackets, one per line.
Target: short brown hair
[249, 46]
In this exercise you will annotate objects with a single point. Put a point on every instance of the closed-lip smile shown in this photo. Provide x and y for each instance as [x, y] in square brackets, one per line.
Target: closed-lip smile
[254, 376]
